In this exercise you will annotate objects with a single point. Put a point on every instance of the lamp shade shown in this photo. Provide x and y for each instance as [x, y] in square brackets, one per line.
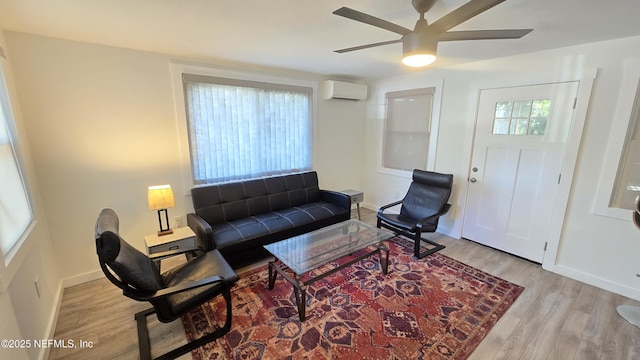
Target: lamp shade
[160, 197]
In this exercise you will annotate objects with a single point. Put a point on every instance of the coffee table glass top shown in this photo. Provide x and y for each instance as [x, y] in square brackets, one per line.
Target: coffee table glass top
[309, 251]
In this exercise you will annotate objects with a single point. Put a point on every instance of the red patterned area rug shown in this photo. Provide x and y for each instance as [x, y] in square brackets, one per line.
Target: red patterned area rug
[431, 308]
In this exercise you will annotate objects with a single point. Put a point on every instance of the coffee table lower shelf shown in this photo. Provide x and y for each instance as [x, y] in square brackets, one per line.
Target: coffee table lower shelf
[300, 287]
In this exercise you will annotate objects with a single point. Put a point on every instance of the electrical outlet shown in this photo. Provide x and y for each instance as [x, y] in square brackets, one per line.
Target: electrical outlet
[177, 222]
[36, 282]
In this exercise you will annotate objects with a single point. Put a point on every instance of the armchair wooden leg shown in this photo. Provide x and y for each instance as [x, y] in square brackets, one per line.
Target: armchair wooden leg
[417, 246]
[436, 247]
[417, 240]
[143, 334]
[145, 345]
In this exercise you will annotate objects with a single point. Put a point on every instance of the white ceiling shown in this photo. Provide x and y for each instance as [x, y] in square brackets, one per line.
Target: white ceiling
[302, 34]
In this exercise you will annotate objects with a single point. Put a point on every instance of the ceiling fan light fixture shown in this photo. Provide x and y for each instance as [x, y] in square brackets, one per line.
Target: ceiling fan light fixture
[419, 45]
[418, 60]
[419, 49]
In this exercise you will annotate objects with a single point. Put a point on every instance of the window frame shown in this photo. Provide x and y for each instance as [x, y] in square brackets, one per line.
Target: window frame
[623, 117]
[179, 68]
[436, 104]
[11, 261]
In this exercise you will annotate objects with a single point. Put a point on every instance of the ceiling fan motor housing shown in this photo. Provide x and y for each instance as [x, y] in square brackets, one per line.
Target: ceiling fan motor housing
[423, 42]
[422, 6]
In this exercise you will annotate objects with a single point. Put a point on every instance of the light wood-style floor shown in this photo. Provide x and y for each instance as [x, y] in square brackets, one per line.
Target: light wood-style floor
[554, 318]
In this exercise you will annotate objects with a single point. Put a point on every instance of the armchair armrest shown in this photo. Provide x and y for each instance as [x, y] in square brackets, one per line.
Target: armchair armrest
[383, 208]
[337, 198]
[203, 231]
[176, 289]
[444, 210]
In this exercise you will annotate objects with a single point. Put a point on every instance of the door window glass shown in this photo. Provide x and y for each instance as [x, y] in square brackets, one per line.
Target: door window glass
[521, 117]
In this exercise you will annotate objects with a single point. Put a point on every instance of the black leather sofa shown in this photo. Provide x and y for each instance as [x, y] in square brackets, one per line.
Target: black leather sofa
[238, 218]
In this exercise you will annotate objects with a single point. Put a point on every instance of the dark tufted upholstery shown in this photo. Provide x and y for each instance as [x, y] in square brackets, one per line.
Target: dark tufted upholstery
[243, 216]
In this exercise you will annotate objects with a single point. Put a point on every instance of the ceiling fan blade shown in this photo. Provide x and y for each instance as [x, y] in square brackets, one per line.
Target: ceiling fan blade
[368, 46]
[462, 14]
[371, 20]
[484, 34]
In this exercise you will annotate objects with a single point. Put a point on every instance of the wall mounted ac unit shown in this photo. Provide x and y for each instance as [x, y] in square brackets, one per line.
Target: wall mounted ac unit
[343, 90]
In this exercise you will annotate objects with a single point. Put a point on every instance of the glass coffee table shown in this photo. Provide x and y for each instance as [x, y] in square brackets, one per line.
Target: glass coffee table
[310, 251]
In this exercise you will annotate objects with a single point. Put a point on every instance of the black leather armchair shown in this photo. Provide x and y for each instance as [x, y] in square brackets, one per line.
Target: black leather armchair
[424, 204]
[172, 293]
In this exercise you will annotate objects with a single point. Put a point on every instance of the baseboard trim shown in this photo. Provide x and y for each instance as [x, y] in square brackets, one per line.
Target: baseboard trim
[53, 321]
[571, 273]
[82, 278]
[446, 231]
[597, 282]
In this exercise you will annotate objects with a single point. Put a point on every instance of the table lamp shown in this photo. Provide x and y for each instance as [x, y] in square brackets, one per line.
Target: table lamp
[160, 197]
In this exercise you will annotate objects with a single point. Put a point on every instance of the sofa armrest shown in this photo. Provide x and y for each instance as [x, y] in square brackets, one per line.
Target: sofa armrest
[337, 198]
[203, 231]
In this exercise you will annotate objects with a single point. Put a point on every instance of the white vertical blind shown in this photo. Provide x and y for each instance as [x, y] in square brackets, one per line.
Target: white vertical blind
[243, 129]
[15, 211]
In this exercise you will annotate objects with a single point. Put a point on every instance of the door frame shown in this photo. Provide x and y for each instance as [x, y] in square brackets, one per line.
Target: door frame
[585, 79]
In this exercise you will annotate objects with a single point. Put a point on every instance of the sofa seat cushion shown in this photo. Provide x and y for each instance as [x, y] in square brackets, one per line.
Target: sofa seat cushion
[254, 227]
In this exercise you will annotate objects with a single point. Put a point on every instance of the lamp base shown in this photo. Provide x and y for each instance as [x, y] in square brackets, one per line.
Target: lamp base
[165, 232]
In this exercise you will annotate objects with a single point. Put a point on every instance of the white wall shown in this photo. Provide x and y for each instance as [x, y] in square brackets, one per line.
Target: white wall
[340, 141]
[24, 315]
[594, 249]
[103, 127]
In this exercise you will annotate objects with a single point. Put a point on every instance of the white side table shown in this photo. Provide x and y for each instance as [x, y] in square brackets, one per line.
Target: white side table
[357, 197]
[181, 238]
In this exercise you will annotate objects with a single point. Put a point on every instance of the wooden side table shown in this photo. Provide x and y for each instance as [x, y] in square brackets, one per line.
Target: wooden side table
[357, 197]
[181, 238]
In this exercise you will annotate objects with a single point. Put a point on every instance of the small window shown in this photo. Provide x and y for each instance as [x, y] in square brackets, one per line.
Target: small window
[521, 117]
[407, 130]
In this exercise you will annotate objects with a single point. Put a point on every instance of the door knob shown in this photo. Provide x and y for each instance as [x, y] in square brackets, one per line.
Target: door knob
[472, 180]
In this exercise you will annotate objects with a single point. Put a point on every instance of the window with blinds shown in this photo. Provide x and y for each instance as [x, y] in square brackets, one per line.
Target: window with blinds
[242, 129]
[407, 129]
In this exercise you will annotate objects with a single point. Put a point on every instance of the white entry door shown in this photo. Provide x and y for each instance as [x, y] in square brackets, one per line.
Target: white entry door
[521, 134]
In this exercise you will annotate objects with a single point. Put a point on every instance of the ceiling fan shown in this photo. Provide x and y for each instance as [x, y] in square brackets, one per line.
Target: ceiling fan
[419, 45]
